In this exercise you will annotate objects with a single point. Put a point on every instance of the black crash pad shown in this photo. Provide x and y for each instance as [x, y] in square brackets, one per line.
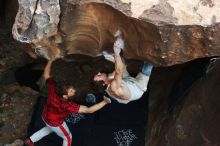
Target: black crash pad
[114, 125]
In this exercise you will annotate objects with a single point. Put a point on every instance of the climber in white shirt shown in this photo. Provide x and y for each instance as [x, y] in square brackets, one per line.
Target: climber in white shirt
[120, 85]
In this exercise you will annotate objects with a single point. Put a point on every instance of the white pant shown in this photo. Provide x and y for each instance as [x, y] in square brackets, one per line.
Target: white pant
[137, 86]
[141, 80]
[62, 131]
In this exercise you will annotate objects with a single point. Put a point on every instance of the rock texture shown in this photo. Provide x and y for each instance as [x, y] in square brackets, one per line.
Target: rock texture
[16, 106]
[17, 142]
[200, 12]
[193, 119]
[89, 29]
[166, 11]
[16, 102]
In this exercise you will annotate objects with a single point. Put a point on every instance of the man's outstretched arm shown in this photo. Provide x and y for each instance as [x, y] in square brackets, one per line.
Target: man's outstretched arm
[94, 108]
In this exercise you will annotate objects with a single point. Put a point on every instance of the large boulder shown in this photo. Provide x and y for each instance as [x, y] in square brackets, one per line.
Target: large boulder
[67, 28]
[186, 111]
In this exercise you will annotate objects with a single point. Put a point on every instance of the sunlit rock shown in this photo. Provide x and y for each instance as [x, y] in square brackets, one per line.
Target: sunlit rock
[88, 28]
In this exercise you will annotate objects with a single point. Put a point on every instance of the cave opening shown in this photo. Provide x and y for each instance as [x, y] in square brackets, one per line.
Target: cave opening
[29, 75]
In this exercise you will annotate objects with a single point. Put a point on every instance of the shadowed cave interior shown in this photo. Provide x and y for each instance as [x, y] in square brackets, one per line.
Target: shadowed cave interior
[106, 125]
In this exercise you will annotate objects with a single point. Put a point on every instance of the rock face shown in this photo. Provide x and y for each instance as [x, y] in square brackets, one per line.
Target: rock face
[200, 12]
[17, 142]
[165, 11]
[193, 120]
[16, 109]
[16, 102]
[89, 29]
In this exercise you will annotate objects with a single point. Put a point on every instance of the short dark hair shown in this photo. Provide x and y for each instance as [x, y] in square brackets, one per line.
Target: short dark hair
[99, 87]
[61, 88]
